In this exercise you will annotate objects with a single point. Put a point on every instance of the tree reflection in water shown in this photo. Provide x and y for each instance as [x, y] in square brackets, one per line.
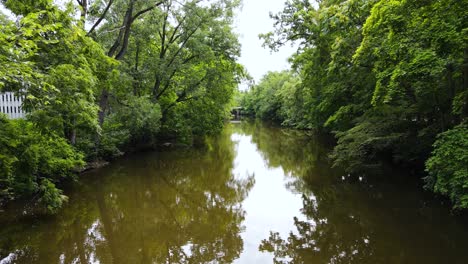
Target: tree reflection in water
[185, 206]
[170, 207]
[377, 220]
[318, 240]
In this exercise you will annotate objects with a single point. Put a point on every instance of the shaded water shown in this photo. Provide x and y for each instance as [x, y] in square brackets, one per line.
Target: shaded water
[255, 194]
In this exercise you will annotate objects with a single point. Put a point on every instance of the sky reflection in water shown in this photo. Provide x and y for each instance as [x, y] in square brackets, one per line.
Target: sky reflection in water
[255, 194]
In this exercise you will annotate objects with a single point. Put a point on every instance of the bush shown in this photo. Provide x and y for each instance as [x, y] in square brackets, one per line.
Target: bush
[31, 161]
[374, 136]
[134, 124]
[142, 119]
[448, 166]
[51, 197]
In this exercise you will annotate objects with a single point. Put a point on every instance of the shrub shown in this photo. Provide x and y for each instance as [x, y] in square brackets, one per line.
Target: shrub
[133, 124]
[31, 161]
[448, 166]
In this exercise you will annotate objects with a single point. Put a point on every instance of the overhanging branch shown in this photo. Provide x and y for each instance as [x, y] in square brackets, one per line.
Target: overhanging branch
[100, 18]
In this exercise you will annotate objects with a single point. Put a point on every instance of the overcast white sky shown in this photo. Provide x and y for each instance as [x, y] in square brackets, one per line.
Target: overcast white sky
[252, 20]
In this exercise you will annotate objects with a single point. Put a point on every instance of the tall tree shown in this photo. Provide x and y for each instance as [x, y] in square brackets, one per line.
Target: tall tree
[189, 58]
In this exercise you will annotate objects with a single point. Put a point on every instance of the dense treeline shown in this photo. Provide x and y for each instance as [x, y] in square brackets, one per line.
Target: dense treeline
[388, 78]
[100, 78]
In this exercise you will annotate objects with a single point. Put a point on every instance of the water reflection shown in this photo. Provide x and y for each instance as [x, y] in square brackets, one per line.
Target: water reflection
[255, 194]
[381, 221]
[173, 207]
[269, 204]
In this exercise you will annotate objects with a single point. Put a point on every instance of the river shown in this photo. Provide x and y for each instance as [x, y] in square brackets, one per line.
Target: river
[254, 194]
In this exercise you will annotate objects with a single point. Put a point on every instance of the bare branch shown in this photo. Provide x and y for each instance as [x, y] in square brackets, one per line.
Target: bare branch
[100, 18]
[173, 36]
[111, 30]
[146, 10]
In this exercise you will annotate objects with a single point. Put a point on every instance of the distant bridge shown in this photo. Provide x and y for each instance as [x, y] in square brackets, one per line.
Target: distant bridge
[237, 111]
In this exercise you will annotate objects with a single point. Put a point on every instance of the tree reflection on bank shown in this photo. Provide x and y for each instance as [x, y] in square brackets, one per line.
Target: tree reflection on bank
[171, 207]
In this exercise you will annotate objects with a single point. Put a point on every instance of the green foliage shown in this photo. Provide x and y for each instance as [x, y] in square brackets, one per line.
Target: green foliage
[51, 197]
[273, 98]
[142, 119]
[365, 145]
[29, 157]
[135, 124]
[69, 101]
[183, 57]
[386, 77]
[24, 7]
[18, 45]
[448, 166]
[145, 70]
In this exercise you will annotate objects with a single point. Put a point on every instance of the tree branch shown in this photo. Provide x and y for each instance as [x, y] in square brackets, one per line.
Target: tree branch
[129, 23]
[146, 10]
[163, 38]
[166, 86]
[188, 59]
[183, 97]
[100, 18]
[173, 36]
[176, 102]
[182, 46]
[119, 101]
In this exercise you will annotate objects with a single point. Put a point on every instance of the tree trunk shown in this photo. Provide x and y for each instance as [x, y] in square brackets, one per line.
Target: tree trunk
[73, 133]
[83, 12]
[103, 100]
[465, 85]
[157, 85]
[136, 81]
[104, 97]
[120, 45]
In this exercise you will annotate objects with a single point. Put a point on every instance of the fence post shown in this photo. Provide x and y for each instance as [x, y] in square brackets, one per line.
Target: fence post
[11, 105]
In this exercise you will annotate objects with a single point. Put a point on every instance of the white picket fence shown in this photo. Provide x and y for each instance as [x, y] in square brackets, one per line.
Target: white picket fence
[10, 104]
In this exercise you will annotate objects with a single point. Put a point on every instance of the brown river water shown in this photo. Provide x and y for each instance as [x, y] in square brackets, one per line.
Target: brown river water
[254, 194]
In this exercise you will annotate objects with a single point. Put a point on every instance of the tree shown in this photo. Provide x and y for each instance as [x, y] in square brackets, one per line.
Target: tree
[333, 89]
[149, 66]
[386, 77]
[273, 98]
[189, 67]
[418, 67]
[134, 9]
